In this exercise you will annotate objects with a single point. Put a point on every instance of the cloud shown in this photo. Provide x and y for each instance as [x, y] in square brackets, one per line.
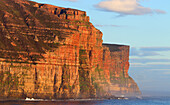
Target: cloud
[152, 49]
[141, 57]
[150, 61]
[137, 65]
[147, 51]
[154, 69]
[126, 7]
[152, 64]
[99, 25]
[160, 69]
[146, 60]
[141, 53]
[71, 0]
[160, 11]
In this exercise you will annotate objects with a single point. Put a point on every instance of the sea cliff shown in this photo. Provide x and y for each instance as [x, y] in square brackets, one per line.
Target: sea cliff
[53, 52]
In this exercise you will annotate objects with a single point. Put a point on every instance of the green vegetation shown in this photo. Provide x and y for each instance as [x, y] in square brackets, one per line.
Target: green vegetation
[84, 81]
[93, 79]
[97, 87]
[66, 78]
[10, 81]
[82, 56]
[21, 67]
[119, 80]
[98, 70]
[84, 74]
[82, 52]
[83, 15]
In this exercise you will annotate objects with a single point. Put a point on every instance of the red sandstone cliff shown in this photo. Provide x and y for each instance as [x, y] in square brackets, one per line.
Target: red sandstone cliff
[116, 66]
[53, 52]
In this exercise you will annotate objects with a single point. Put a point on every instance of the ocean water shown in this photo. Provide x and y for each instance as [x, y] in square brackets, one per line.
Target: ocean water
[143, 101]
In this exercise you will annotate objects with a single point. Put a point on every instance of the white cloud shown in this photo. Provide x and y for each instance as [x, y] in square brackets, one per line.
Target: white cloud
[126, 7]
[160, 69]
[137, 65]
[148, 62]
[158, 63]
[148, 51]
[139, 52]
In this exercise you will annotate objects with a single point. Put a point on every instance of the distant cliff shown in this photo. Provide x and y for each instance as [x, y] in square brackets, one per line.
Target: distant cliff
[116, 65]
[53, 52]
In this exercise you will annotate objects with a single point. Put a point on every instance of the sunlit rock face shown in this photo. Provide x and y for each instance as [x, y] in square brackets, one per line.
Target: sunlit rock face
[116, 65]
[53, 52]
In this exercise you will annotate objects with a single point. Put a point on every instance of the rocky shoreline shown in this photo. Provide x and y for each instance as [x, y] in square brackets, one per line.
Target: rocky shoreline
[53, 100]
[76, 99]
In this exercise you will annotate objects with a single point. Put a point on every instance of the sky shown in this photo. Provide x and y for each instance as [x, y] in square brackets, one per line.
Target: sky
[142, 24]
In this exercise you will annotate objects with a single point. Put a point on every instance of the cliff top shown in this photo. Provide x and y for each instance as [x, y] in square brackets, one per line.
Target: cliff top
[114, 44]
[7, 3]
[115, 47]
[34, 28]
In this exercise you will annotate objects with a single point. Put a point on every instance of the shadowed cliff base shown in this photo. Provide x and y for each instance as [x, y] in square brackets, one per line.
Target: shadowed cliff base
[51, 52]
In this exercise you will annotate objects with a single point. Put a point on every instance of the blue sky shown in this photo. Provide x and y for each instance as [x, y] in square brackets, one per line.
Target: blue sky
[142, 24]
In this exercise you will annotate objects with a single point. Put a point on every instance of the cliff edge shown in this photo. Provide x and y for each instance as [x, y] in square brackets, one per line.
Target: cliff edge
[53, 52]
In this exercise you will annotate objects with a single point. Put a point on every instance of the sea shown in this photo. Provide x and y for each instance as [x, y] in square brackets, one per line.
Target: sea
[129, 101]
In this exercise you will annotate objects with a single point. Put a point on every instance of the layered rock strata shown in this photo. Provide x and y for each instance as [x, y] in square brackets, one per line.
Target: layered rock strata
[116, 66]
[53, 52]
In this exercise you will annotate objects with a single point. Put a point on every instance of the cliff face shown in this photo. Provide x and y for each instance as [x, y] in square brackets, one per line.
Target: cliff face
[116, 65]
[52, 52]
